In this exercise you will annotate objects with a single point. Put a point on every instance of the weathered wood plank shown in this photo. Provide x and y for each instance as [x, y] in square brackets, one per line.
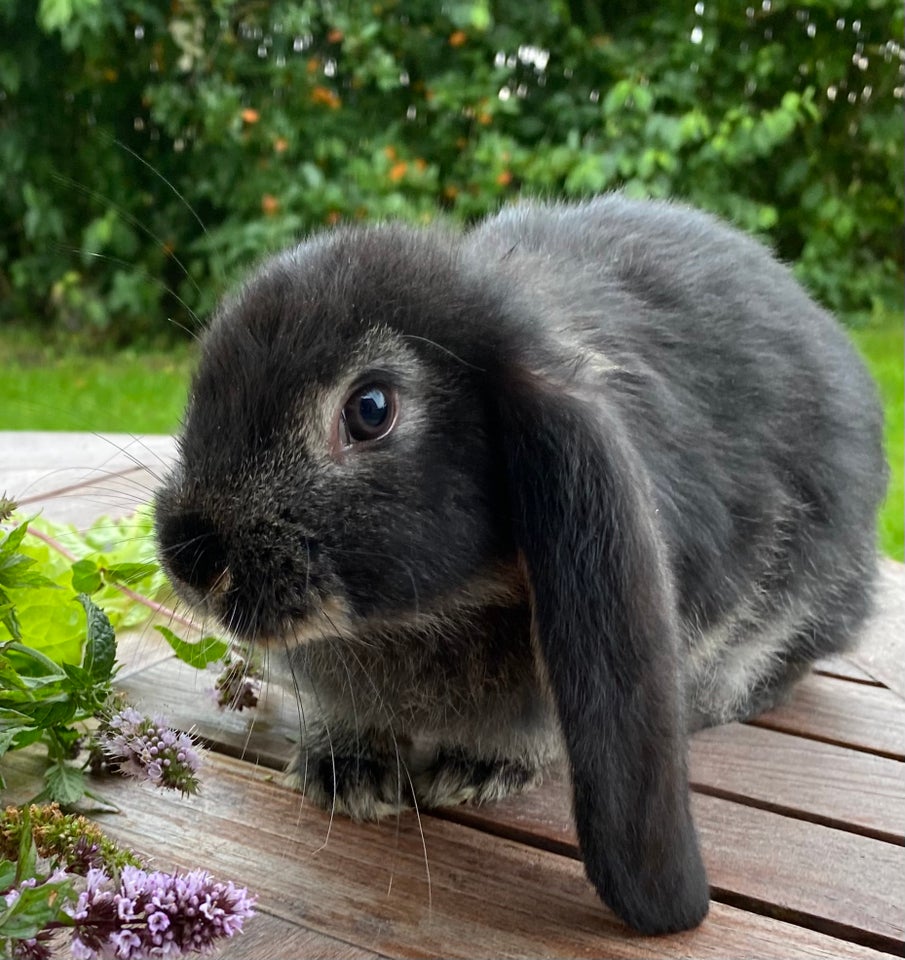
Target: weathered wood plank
[839, 883]
[39, 464]
[837, 786]
[833, 881]
[850, 714]
[264, 735]
[388, 888]
[882, 650]
[115, 495]
[844, 669]
[268, 937]
[77, 477]
[48, 450]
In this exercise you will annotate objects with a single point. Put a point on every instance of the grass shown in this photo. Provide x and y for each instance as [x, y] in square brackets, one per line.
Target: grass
[882, 345]
[49, 387]
[52, 387]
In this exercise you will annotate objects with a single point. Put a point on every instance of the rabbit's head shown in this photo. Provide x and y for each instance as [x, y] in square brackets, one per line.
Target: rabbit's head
[381, 422]
[337, 461]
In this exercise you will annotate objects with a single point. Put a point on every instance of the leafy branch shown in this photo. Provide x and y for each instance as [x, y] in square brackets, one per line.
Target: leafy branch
[57, 667]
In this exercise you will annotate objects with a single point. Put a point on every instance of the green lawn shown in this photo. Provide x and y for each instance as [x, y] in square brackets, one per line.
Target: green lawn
[882, 345]
[46, 388]
[49, 388]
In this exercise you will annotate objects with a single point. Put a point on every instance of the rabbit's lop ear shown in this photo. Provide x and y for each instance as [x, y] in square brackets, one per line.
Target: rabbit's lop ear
[604, 628]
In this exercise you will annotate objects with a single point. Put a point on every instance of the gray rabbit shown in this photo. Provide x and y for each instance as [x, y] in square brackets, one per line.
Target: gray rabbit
[569, 484]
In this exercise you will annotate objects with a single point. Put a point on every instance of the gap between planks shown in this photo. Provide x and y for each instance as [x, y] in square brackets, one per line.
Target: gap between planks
[489, 896]
[541, 818]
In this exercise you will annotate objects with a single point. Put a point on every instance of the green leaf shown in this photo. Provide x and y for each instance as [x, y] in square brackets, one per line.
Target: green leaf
[65, 784]
[35, 908]
[12, 721]
[9, 676]
[198, 655]
[28, 852]
[16, 572]
[79, 677]
[86, 577]
[11, 542]
[25, 738]
[100, 650]
[38, 663]
[8, 616]
[7, 874]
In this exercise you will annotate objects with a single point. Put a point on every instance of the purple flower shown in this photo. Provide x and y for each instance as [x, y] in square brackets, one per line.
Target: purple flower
[37, 947]
[34, 948]
[154, 914]
[147, 749]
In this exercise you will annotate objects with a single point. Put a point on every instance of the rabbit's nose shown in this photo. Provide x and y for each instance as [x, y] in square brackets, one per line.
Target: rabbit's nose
[194, 551]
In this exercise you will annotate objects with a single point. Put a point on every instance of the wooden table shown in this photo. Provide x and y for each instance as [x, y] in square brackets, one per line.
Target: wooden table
[801, 814]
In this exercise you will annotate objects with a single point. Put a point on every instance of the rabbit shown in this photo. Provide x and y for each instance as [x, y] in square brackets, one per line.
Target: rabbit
[567, 485]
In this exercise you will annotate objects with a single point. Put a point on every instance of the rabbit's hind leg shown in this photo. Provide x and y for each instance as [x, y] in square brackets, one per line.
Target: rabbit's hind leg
[457, 777]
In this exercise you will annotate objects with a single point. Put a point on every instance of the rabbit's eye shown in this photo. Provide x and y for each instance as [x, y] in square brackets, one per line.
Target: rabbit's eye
[368, 414]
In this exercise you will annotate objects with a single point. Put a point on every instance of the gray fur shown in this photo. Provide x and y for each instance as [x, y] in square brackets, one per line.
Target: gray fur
[642, 348]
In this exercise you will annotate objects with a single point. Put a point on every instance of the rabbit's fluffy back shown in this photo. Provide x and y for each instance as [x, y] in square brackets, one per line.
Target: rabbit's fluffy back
[758, 425]
[629, 460]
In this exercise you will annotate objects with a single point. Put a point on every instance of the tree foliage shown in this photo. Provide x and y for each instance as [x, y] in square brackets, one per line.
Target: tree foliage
[274, 119]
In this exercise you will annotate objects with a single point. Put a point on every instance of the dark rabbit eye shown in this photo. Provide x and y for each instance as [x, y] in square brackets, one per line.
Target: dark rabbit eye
[368, 414]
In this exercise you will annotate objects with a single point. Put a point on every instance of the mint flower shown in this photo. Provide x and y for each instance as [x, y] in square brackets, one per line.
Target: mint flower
[34, 948]
[239, 685]
[147, 749]
[155, 914]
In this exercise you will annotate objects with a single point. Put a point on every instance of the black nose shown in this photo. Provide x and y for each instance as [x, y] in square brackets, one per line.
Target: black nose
[192, 549]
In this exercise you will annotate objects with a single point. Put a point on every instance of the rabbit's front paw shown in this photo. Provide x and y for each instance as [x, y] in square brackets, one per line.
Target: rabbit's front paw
[353, 776]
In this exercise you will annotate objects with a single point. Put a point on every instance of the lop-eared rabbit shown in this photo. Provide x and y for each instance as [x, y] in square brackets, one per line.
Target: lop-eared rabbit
[567, 485]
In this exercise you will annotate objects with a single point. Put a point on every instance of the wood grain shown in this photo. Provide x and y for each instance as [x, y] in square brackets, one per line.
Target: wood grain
[831, 880]
[844, 669]
[838, 711]
[386, 888]
[269, 937]
[881, 652]
[265, 735]
[821, 782]
[813, 780]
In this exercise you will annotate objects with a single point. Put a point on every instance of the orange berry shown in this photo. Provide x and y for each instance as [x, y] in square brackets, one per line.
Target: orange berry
[397, 171]
[250, 116]
[326, 97]
[269, 204]
[504, 179]
[457, 38]
[389, 153]
[335, 36]
[281, 144]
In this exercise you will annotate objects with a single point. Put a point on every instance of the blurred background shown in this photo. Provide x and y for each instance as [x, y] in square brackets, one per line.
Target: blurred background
[150, 152]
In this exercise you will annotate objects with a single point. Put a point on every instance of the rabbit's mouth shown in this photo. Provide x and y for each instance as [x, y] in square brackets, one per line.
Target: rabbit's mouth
[285, 627]
[332, 619]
